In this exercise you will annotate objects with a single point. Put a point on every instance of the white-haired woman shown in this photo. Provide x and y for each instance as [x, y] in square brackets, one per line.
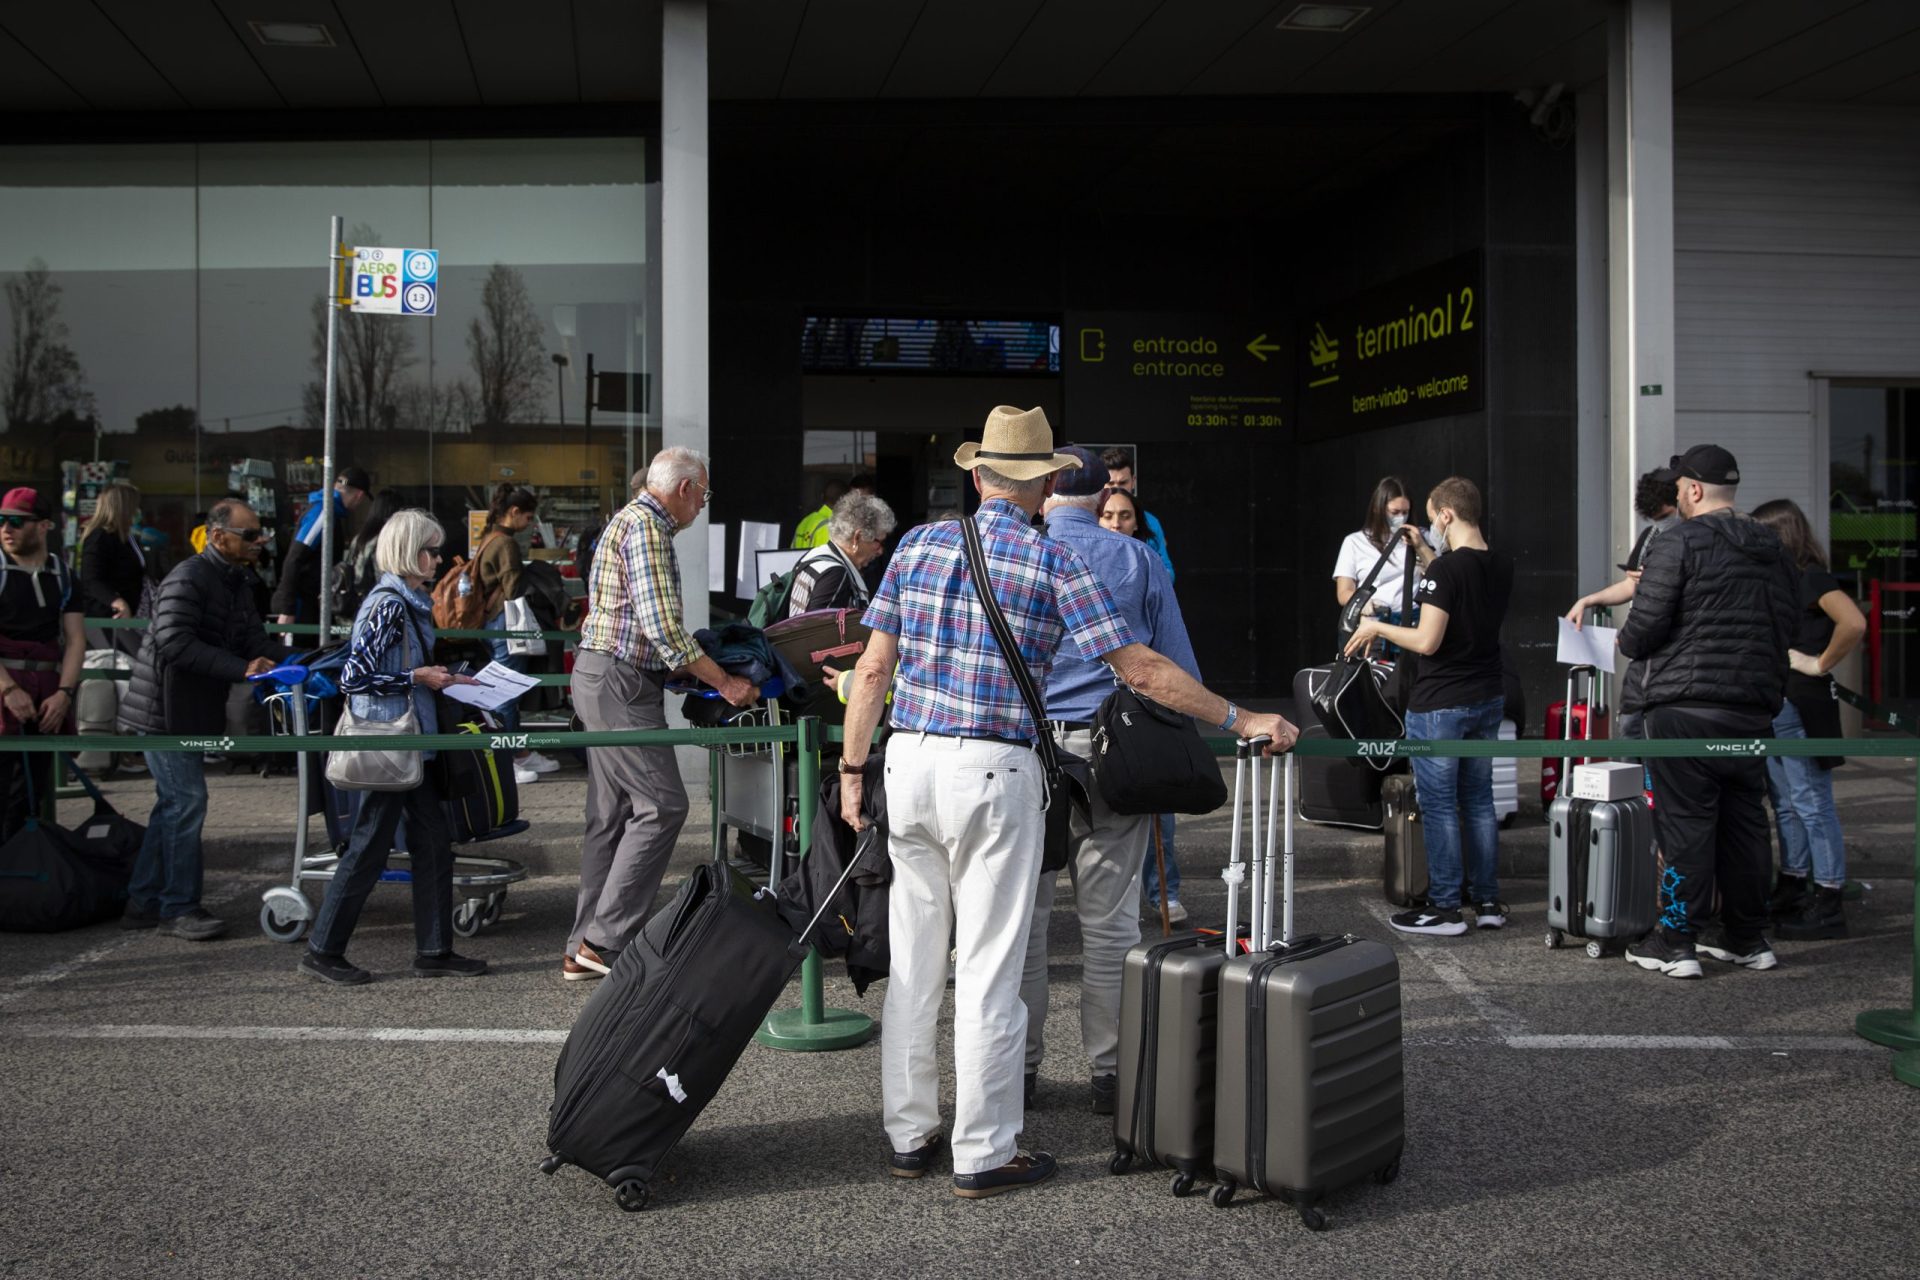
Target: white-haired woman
[830, 576]
[389, 668]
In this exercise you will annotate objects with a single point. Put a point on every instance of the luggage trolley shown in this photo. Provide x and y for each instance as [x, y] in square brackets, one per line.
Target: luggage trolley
[750, 779]
[286, 913]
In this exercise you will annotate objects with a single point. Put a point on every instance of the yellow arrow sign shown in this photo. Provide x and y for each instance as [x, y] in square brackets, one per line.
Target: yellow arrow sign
[1260, 346]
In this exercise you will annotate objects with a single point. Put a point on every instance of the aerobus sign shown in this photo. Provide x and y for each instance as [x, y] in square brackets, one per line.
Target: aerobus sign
[400, 282]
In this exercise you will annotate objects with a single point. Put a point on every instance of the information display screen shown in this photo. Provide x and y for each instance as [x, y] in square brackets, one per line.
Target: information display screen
[897, 344]
[1177, 376]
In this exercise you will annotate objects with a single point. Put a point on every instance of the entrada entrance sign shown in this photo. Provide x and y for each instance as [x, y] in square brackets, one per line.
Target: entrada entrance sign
[1159, 376]
[395, 281]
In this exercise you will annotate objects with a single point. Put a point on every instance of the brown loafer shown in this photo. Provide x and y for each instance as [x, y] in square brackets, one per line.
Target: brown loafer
[1023, 1170]
[573, 971]
[589, 957]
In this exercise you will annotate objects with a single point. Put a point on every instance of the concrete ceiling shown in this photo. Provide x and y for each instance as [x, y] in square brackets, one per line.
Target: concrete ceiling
[202, 55]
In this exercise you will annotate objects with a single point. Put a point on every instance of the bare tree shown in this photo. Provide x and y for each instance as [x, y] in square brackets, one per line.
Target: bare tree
[374, 351]
[43, 378]
[440, 408]
[508, 345]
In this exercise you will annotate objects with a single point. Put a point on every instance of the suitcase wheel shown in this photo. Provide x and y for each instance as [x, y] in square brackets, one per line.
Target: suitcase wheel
[1121, 1162]
[1313, 1219]
[632, 1195]
[551, 1165]
[1596, 949]
[1182, 1185]
[1389, 1173]
[1222, 1195]
[1554, 938]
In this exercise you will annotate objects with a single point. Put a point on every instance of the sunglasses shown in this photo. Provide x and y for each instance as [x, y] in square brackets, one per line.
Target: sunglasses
[18, 522]
[434, 551]
[245, 535]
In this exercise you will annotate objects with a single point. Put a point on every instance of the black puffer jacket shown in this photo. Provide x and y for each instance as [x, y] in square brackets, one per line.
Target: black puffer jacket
[1713, 615]
[205, 631]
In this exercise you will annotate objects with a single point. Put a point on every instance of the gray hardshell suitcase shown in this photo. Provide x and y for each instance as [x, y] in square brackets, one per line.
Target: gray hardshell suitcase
[1404, 868]
[1602, 878]
[1169, 998]
[1310, 1094]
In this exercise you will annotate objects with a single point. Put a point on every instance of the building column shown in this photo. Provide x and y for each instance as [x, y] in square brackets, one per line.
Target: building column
[1593, 448]
[1639, 250]
[684, 368]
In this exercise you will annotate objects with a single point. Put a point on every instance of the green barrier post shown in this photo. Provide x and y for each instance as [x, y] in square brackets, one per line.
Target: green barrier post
[1900, 1028]
[813, 1026]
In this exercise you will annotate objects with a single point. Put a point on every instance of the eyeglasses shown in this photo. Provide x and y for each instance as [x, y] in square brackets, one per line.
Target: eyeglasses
[706, 495]
[16, 522]
[434, 551]
[245, 535]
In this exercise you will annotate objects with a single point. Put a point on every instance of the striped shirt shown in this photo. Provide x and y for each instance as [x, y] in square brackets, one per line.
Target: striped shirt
[633, 591]
[952, 678]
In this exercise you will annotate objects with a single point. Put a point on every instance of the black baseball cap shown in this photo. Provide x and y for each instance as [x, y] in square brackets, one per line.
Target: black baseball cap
[1085, 480]
[357, 478]
[1707, 463]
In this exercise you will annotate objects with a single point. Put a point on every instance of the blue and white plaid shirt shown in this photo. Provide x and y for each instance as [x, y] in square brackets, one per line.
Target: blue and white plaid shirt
[952, 678]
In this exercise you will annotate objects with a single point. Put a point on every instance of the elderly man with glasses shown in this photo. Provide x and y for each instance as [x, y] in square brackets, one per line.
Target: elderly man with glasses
[205, 636]
[635, 636]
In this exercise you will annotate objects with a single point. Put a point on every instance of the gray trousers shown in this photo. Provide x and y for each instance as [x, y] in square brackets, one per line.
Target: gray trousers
[1104, 859]
[636, 802]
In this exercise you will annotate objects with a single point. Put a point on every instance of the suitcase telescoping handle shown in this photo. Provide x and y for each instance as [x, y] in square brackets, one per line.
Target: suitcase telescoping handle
[1248, 765]
[1273, 885]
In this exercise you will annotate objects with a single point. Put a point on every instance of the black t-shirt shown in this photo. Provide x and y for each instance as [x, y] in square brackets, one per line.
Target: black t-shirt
[30, 602]
[1473, 587]
[1814, 632]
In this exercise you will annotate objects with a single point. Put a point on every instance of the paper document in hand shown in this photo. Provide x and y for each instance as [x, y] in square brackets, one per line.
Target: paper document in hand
[498, 686]
[1587, 646]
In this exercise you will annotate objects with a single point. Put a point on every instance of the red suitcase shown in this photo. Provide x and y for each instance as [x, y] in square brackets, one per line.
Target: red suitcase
[1588, 720]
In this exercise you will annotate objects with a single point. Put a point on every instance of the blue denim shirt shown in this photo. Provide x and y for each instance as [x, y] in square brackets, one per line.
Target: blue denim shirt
[392, 634]
[1142, 591]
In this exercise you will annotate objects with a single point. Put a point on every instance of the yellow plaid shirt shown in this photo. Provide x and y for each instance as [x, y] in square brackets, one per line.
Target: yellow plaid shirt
[633, 592]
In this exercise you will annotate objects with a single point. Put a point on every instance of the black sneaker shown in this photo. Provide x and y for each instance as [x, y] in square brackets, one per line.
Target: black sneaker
[1490, 915]
[1025, 1169]
[915, 1163]
[1105, 1089]
[196, 925]
[334, 969]
[449, 965]
[1443, 921]
[1662, 954]
[1790, 896]
[1824, 915]
[1748, 955]
[135, 917]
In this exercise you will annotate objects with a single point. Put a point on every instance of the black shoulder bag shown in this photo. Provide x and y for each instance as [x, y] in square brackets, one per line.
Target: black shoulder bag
[1063, 772]
[1151, 759]
[1352, 702]
[1356, 605]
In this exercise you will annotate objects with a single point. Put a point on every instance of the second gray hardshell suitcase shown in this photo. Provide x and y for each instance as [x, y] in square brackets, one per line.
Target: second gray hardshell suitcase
[1310, 1092]
[1403, 876]
[1602, 877]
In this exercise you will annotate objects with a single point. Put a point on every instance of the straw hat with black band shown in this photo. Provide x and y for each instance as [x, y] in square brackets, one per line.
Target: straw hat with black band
[1017, 443]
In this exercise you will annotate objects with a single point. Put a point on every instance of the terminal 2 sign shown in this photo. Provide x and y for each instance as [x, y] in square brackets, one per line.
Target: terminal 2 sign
[1172, 376]
[1408, 351]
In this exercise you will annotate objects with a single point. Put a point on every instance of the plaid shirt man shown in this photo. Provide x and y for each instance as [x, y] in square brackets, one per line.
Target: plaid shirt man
[633, 593]
[953, 679]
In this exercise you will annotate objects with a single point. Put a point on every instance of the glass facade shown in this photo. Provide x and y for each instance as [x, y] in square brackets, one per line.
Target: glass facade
[164, 311]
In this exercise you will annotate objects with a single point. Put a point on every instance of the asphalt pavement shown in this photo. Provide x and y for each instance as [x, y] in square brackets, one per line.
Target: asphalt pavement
[204, 1110]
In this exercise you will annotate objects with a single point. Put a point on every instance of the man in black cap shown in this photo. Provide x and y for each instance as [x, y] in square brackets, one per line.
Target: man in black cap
[1712, 617]
[297, 596]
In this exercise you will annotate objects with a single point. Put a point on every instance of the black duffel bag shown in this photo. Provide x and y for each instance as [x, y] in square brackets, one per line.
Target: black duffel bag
[1151, 759]
[1352, 705]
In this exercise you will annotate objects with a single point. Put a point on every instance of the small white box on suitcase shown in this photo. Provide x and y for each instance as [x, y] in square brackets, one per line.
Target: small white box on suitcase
[1608, 780]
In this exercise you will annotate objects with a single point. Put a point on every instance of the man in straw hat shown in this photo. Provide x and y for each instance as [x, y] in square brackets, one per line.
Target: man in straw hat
[965, 799]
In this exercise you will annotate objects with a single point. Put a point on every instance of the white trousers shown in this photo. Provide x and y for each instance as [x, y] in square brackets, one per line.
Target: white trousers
[1104, 861]
[965, 820]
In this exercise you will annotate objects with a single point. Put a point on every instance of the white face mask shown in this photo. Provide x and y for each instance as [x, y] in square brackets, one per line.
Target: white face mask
[1396, 519]
[1436, 539]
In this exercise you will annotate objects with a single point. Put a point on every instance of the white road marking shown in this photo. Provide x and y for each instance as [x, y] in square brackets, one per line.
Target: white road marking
[161, 1031]
[1454, 976]
[26, 984]
[1768, 1044]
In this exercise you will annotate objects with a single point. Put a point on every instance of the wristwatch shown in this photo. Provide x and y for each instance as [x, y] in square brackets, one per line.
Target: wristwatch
[848, 766]
[71, 690]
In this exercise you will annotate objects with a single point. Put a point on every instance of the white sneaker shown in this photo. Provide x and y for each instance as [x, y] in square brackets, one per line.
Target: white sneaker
[538, 763]
[524, 777]
[1176, 914]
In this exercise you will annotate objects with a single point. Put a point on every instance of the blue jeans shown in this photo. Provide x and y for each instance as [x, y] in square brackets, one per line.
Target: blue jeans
[1456, 804]
[1151, 876]
[509, 715]
[1803, 811]
[166, 875]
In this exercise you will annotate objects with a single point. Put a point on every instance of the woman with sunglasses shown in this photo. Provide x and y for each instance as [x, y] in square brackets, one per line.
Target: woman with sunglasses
[388, 669]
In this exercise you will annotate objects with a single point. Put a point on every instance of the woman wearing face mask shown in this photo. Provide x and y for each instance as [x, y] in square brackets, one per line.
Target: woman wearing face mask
[1386, 522]
[1457, 693]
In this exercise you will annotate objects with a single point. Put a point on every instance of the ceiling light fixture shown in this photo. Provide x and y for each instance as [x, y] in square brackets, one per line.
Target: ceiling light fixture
[305, 35]
[1324, 17]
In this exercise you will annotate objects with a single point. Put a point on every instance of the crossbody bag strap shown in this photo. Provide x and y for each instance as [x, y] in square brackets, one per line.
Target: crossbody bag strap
[1003, 636]
[1378, 565]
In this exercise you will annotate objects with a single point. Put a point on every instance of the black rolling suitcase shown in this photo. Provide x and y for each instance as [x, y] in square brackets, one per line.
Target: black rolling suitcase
[1404, 872]
[659, 1037]
[1163, 1112]
[1310, 1093]
[1333, 793]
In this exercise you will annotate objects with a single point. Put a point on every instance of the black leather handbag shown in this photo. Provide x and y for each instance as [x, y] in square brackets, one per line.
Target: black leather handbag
[1151, 759]
[1067, 775]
